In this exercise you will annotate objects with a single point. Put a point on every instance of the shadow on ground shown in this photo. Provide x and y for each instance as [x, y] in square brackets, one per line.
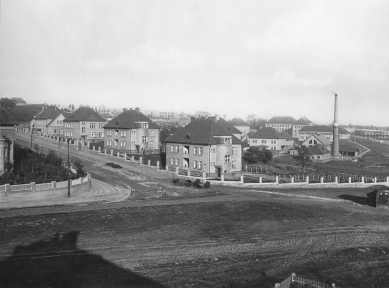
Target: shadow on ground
[356, 199]
[58, 262]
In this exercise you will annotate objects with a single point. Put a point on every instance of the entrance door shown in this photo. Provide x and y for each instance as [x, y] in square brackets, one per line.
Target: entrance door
[383, 199]
[218, 172]
[137, 148]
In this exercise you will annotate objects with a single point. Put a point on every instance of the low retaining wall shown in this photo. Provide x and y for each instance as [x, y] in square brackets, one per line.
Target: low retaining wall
[53, 192]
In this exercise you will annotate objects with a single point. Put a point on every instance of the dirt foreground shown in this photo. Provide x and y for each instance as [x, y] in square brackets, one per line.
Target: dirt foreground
[219, 238]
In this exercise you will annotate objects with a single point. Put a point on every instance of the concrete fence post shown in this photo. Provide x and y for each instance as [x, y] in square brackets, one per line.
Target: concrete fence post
[375, 179]
[222, 178]
[112, 152]
[349, 179]
[188, 173]
[336, 179]
[321, 179]
[387, 179]
[260, 180]
[33, 187]
[307, 179]
[133, 158]
[118, 154]
[176, 170]
[204, 175]
[93, 148]
[99, 149]
[292, 179]
[166, 166]
[241, 179]
[105, 151]
[362, 179]
[140, 160]
[157, 165]
[148, 162]
[125, 156]
[277, 180]
[7, 188]
[53, 185]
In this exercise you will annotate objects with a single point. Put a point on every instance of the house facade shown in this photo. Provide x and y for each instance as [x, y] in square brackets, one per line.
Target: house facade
[132, 131]
[273, 139]
[242, 126]
[205, 146]
[84, 124]
[319, 153]
[43, 118]
[317, 139]
[56, 126]
[6, 139]
[288, 123]
[324, 130]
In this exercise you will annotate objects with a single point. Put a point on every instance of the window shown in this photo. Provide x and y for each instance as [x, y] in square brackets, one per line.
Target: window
[116, 133]
[233, 165]
[133, 131]
[109, 133]
[227, 140]
[200, 164]
[92, 125]
[83, 130]
[108, 143]
[92, 134]
[233, 150]
[227, 158]
[195, 164]
[101, 134]
[152, 133]
[172, 148]
[82, 123]
[101, 125]
[151, 144]
[195, 150]
[144, 139]
[200, 151]
[185, 149]
[176, 148]
[264, 141]
[185, 162]
[176, 161]
[172, 161]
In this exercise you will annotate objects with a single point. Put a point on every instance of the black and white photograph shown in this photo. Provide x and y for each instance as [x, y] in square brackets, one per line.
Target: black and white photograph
[192, 143]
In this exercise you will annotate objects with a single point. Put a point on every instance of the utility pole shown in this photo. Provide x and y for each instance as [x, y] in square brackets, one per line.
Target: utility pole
[68, 172]
[32, 132]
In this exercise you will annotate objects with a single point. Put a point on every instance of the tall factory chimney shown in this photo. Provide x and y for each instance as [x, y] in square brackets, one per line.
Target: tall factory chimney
[335, 151]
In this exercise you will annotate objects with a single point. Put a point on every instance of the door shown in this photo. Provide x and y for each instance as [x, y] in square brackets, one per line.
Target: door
[137, 148]
[383, 198]
[218, 172]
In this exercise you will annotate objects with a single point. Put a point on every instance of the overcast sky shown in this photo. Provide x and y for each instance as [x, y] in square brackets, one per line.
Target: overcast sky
[270, 58]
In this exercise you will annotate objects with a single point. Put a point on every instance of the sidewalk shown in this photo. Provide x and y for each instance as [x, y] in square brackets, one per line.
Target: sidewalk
[99, 192]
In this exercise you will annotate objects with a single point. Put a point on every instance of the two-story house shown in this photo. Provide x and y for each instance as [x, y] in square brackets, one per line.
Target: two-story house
[288, 123]
[56, 126]
[272, 139]
[84, 124]
[241, 125]
[132, 131]
[43, 118]
[205, 146]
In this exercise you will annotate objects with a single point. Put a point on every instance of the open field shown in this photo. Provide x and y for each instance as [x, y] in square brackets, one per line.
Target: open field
[218, 238]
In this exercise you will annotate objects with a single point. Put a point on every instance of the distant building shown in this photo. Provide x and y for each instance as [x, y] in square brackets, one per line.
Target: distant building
[319, 153]
[43, 118]
[201, 114]
[273, 139]
[228, 126]
[56, 126]
[84, 124]
[132, 131]
[241, 125]
[317, 139]
[6, 139]
[324, 130]
[19, 101]
[285, 123]
[204, 146]
[251, 117]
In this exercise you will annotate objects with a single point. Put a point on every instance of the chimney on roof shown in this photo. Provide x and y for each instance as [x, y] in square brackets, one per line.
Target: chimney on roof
[192, 119]
[130, 109]
[137, 109]
[124, 109]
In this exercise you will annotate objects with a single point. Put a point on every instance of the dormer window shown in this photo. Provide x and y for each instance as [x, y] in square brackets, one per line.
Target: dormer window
[227, 140]
[188, 136]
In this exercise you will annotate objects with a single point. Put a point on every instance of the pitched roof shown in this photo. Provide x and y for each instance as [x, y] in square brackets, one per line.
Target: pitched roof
[348, 146]
[50, 112]
[127, 120]
[270, 133]
[282, 120]
[84, 113]
[52, 120]
[322, 128]
[228, 126]
[304, 121]
[318, 150]
[201, 131]
[321, 139]
[19, 100]
[238, 122]
[251, 116]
